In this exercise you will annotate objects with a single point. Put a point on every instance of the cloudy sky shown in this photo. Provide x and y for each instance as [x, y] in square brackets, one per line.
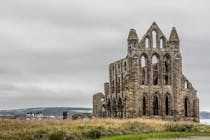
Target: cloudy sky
[56, 52]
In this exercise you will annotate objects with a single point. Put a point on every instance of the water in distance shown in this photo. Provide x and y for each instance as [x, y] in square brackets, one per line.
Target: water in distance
[205, 121]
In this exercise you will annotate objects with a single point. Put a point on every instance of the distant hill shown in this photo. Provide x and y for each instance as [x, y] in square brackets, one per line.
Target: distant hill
[204, 115]
[58, 111]
[48, 111]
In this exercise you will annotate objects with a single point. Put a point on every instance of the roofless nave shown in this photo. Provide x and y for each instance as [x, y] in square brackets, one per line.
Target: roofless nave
[148, 82]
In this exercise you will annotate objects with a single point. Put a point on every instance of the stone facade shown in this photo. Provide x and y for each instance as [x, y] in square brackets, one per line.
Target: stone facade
[148, 82]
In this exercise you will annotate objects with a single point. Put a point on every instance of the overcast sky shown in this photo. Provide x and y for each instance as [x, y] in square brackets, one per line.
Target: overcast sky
[56, 52]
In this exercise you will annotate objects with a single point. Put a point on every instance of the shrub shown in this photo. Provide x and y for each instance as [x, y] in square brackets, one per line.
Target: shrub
[41, 134]
[134, 126]
[70, 137]
[93, 133]
[180, 127]
[57, 136]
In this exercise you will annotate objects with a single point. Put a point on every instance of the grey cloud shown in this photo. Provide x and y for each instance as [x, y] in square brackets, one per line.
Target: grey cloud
[25, 97]
[56, 53]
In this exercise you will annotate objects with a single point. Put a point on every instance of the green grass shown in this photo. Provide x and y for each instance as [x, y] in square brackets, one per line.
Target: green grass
[156, 135]
[126, 129]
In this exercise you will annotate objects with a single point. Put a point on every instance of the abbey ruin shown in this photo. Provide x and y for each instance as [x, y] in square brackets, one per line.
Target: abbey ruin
[148, 82]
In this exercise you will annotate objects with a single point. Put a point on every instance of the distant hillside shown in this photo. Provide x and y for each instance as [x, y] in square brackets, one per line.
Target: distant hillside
[57, 111]
[48, 111]
[204, 115]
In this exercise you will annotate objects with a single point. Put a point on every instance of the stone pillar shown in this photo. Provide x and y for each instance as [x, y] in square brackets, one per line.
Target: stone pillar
[131, 95]
[150, 71]
[106, 88]
[178, 94]
[98, 101]
[196, 108]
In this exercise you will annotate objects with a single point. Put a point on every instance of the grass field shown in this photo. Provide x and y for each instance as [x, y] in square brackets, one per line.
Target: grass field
[104, 129]
[142, 136]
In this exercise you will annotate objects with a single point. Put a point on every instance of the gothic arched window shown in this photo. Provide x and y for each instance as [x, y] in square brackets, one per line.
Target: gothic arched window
[143, 77]
[155, 67]
[166, 69]
[186, 84]
[120, 108]
[166, 81]
[154, 39]
[146, 43]
[167, 106]
[144, 106]
[155, 105]
[167, 61]
[186, 107]
[143, 63]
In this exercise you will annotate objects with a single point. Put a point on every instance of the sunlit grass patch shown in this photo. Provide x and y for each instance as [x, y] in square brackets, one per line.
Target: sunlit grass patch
[155, 135]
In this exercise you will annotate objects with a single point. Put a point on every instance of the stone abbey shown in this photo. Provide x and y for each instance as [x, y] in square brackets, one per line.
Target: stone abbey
[148, 82]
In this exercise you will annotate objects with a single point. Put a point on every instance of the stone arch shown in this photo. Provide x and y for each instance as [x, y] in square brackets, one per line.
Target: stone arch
[155, 58]
[155, 68]
[155, 36]
[143, 60]
[166, 69]
[186, 84]
[126, 79]
[186, 107]
[166, 80]
[154, 39]
[143, 68]
[167, 62]
[144, 106]
[147, 42]
[155, 103]
[163, 41]
[168, 104]
[120, 108]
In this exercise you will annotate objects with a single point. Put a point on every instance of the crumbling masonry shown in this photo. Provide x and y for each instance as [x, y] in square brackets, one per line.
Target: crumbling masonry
[148, 82]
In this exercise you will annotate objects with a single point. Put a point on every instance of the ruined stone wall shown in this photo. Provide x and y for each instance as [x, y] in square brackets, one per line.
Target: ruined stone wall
[98, 104]
[149, 82]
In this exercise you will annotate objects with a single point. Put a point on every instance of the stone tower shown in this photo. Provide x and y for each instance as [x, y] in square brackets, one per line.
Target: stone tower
[149, 82]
